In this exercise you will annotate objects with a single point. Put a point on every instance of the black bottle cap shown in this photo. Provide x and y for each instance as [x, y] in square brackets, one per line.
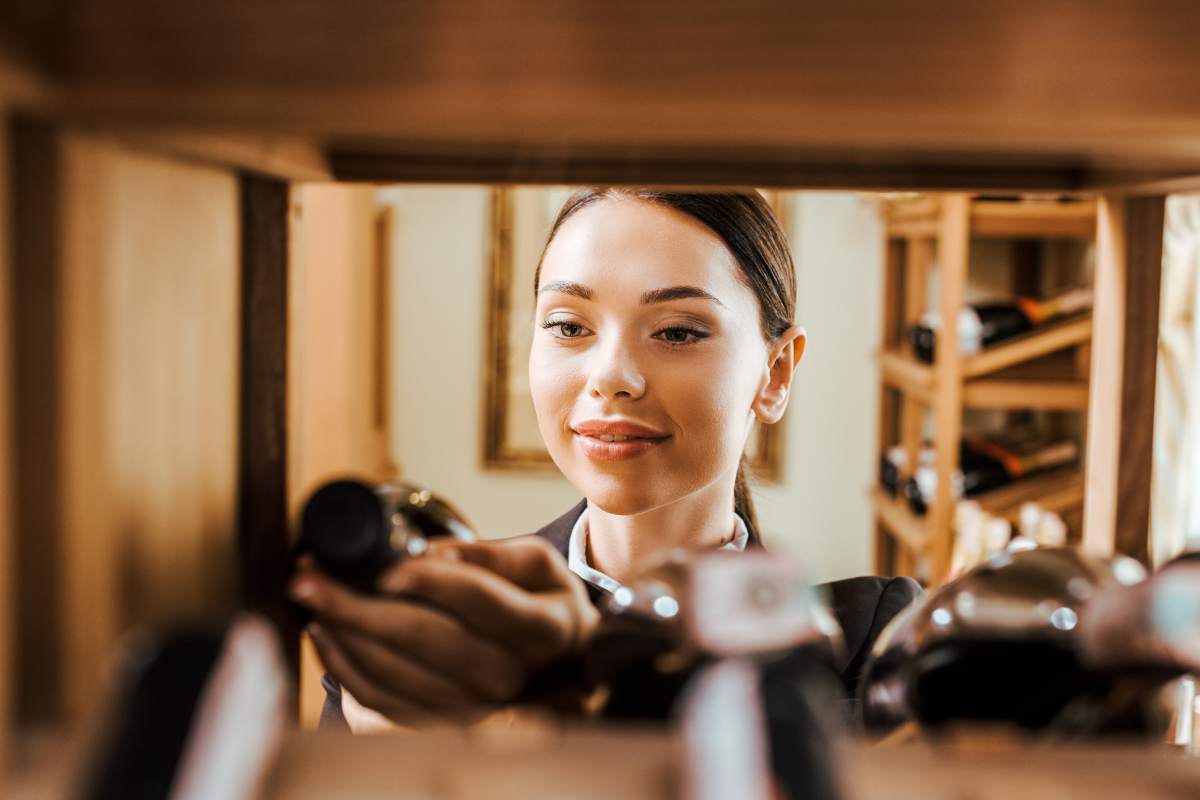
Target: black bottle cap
[343, 525]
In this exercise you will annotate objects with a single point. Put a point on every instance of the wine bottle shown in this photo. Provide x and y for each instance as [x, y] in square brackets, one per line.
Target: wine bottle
[981, 325]
[356, 530]
[987, 463]
[1049, 640]
[679, 629]
[894, 469]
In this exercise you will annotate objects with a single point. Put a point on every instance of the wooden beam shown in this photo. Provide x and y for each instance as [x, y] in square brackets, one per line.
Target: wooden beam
[948, 375]
[269, 156]
[263, 539]
[694, 167]
[8, 627]
[36, 167]
[1124, 358]
[887, 431]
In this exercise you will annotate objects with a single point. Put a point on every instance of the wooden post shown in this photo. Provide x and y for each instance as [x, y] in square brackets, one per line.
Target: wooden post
[886, 548]
[1120, 435]
[8, 531]
[953, 236]
[917, 258]
[263, 542]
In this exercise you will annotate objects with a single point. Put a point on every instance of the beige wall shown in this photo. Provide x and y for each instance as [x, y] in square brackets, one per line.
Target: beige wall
[820, 512]
[137, 393]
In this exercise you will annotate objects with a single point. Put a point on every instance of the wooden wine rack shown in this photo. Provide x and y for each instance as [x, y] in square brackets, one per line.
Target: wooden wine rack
[1046, 369]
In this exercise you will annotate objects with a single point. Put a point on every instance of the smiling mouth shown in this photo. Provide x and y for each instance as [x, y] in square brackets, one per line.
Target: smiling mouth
[612, 447]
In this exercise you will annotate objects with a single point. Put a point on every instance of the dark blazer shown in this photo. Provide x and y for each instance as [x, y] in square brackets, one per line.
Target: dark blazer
[862, 606]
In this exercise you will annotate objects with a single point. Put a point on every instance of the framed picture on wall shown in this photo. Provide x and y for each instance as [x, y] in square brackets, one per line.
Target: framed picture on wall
[521, 218]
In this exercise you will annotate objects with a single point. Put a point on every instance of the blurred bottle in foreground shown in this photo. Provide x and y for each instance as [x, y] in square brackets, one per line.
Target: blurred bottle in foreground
[1049, 641]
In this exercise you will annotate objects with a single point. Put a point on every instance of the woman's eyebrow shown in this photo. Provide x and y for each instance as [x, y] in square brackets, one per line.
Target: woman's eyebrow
[648, 298]
[568, 287]
[677, 293]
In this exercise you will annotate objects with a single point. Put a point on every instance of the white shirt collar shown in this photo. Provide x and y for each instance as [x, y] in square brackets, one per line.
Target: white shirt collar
[577, 552]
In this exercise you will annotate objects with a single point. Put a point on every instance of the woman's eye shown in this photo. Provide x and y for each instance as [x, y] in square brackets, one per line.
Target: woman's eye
[564, 329]
[680, 335]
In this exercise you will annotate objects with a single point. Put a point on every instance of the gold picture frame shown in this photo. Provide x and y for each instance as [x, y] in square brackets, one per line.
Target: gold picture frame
[520, 221]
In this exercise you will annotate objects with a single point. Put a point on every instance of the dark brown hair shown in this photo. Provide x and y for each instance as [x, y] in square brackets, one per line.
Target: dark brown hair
[746, 224]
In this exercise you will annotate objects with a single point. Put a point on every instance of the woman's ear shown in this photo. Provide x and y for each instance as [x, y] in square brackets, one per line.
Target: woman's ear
[784, 355]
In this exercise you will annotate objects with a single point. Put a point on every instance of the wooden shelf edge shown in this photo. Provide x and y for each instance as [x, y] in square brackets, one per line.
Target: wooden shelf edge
[1057, 490]
[1043, 341]
[1045, 395]
[900, 521]
[1034, 219]
[906, 374]
[917, 380]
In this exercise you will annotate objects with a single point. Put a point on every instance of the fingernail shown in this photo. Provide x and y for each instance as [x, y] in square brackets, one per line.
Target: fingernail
[396, 581]
[305, 590]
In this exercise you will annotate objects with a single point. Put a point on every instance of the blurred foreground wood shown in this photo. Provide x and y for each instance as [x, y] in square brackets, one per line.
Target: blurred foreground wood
[587, 764]
[637, 764]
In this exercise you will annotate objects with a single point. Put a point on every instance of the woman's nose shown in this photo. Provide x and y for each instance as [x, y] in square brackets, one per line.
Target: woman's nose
[615, 374]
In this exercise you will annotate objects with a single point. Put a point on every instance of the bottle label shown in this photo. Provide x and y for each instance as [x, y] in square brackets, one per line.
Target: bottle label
[1070, 302]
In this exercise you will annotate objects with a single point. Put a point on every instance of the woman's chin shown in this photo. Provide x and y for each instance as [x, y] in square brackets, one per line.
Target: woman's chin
[623, 498]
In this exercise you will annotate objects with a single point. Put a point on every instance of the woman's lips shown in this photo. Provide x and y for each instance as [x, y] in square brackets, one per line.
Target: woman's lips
[616, 440]
[616, 451]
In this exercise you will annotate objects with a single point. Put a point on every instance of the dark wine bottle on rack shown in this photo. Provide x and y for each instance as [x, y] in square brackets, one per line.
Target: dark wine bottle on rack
[986, 464]
[684, 619]
[1050, 640]
[981, 325]
[356, 530]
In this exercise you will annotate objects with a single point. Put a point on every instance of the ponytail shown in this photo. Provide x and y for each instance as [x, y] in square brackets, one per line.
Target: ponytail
[743, 504]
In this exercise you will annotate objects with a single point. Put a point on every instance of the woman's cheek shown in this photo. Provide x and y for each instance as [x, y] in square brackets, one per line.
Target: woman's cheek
[554, 384]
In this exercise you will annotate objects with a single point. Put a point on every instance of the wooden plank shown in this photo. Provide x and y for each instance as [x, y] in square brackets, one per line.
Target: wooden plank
[907, 374]
[1124, 359]
[688, 166]
[912, 208]
[918, 256]
[897, 518]
[644, 76]
[1033, 219]
[887, 430]
[36, 169]
[1056, 490]
[948, 372]
[272, 156]
[8, 399]
[1040, 342]
[263, 500]
[1016, 395]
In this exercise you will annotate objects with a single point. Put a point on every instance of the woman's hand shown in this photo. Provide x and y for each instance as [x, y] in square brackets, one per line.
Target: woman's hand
[455, 634]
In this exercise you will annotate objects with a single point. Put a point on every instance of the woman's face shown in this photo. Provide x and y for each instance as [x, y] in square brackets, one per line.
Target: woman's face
[647, 355]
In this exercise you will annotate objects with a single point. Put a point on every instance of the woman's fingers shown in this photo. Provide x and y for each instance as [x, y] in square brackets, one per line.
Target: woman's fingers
[539, 626]
[365, 720]
[404, 678]
[424, 634]
[363, 688]
[528, 561]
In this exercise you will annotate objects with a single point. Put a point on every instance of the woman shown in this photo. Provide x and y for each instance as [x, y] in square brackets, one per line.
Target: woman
[664, 330]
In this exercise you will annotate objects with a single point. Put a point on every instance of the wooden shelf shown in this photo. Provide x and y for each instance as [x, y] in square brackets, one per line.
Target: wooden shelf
[1043, 341]
[930, 238]
[1056, 490]
[1018, 395]
[1025, 219]
[1021, 373]
[1033, 219]
[900, 521]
